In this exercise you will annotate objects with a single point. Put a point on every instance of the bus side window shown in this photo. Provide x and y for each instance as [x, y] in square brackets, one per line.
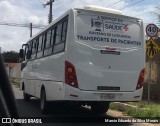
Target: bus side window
[30, 45]
[48, 45]
[64, 32]
[40, 43]
[58, 33]
[59, 45]
[48, 42]
[26, 49]
[53, 36]
[34, 48]
[42, 40]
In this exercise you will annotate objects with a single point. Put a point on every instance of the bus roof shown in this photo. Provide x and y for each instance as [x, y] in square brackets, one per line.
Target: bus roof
[103, 9]
[88, 7]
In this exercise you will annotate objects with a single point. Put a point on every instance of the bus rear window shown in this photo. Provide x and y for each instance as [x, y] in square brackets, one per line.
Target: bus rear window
[108, 30]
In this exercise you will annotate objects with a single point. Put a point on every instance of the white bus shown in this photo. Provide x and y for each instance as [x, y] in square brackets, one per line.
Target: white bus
[90, 56]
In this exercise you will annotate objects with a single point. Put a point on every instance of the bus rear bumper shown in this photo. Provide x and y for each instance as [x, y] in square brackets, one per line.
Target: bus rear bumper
[74, 94]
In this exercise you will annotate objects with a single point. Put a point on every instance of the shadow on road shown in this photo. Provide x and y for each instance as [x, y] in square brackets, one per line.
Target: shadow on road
[32, 109]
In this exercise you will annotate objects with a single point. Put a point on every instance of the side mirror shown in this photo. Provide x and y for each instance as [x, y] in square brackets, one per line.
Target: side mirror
[21, 53]
[29, 52]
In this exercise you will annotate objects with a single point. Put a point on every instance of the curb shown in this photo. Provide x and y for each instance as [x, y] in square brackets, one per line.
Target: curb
[123, 106]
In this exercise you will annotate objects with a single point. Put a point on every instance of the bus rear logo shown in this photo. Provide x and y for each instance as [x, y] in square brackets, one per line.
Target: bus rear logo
[126, 27]
[97, 24]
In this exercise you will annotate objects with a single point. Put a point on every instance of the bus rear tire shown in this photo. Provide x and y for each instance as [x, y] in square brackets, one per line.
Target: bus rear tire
[26, 96]
[43, 102]
[100, 108]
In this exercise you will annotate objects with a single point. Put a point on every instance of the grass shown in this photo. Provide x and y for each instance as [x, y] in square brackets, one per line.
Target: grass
[113, 106]
[15, 82]
[144, 109]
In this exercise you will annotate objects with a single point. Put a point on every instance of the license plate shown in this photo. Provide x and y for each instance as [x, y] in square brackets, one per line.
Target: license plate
[107, 96]
[110, 52]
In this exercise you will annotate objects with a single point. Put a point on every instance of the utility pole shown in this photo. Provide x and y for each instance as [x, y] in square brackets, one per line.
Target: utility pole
[50, 10]
[30, 29]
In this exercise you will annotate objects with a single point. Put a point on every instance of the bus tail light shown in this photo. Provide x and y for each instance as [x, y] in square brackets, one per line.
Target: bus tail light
[140, 82]
[70, 75]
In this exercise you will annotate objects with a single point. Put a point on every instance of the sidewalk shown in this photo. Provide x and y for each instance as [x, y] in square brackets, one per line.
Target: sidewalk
[17, 93]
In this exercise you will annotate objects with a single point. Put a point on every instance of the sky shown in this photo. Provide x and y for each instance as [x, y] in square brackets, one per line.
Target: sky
[33, 11]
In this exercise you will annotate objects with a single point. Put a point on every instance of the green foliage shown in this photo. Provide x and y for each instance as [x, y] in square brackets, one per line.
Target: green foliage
[152, 112]
[15, 81]
[10, 56]
[113, 106]
[144, 109]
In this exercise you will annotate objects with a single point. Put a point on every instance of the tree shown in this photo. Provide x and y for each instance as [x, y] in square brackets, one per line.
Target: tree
[10, 56]
[156, 12]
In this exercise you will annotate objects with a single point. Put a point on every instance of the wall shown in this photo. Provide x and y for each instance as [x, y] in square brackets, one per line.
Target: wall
[13, 69]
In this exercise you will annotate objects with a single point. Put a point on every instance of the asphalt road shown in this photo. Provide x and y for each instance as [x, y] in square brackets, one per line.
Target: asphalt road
[32, 109]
